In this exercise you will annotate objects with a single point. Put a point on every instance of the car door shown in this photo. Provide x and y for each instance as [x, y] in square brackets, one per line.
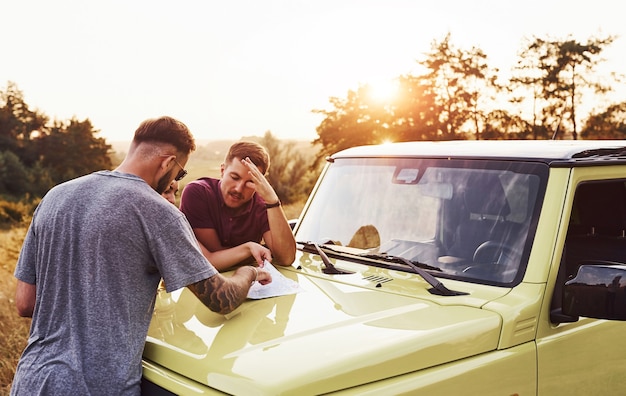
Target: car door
[585, 357]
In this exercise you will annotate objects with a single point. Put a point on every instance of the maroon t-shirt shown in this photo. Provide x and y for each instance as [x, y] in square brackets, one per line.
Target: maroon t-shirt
[202, 203]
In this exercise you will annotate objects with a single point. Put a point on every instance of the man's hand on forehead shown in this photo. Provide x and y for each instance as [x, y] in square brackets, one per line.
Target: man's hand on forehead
[261, 184]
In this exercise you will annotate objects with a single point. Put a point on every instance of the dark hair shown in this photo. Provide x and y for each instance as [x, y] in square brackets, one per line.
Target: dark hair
[257, 154]
[166, 130]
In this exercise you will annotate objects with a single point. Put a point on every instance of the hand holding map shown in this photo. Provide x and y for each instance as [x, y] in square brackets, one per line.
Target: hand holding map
[279, 286]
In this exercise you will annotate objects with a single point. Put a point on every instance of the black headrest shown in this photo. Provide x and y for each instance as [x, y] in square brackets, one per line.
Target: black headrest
[484, 195]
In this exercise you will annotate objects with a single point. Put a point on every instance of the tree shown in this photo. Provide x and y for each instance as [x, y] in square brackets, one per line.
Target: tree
[290, 173]
[414, 110]
[557, 73]
[501, 125]
[446, 102]
[458, 79]
[71, 149]
[355, 120]
[15, 179]
[610, 124]
[35, 153]
[18, 124]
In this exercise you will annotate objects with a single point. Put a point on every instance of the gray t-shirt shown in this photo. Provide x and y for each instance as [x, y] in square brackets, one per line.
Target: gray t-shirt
[96, 250]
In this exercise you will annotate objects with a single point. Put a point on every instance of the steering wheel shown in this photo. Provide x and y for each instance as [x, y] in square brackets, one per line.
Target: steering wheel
[492, 252]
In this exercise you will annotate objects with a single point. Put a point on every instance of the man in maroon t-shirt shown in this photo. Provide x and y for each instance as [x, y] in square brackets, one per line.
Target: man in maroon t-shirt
[232, 215]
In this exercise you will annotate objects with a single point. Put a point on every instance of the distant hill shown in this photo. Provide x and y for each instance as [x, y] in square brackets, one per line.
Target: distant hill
[209, 149]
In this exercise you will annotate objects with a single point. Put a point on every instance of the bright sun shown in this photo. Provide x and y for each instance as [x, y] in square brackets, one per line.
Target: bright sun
[383, 90]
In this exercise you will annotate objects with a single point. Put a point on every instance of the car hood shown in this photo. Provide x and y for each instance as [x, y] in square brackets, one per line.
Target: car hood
[334, 333]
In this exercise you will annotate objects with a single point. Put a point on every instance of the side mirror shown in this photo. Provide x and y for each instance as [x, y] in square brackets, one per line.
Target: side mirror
[597, 291]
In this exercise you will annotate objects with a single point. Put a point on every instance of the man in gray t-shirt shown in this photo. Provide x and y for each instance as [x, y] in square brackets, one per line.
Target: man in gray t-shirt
[91, 263]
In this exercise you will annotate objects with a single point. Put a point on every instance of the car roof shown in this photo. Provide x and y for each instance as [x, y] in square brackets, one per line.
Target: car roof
[549, 151]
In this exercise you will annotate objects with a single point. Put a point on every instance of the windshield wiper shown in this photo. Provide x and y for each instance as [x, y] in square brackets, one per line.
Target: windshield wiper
[438, 288]
[329, 268]
[398, 259]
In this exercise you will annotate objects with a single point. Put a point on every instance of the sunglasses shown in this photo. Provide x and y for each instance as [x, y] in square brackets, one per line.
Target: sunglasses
[182, 173]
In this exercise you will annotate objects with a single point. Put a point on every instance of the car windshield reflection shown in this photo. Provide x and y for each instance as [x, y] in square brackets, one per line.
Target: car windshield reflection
[469, 221]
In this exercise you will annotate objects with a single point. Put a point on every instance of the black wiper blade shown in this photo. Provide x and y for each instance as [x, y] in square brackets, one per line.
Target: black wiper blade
[438, 288]
[398, 259]
[329, 268]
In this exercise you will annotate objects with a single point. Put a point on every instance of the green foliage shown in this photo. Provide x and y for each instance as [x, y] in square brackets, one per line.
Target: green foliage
[70, 149]
[15, 179]
[37, 154]
[18, 124]
[290, 171]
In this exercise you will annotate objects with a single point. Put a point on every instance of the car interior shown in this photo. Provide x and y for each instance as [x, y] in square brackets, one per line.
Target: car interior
[596, 233]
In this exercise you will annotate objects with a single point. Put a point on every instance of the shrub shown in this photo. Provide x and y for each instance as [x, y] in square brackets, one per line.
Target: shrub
[12, 213]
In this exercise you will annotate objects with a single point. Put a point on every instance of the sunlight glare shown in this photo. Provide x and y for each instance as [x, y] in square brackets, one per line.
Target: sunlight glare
[383, 90]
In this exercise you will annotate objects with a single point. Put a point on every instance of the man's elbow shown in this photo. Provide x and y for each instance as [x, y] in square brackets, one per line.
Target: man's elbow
[213, 294]
[25, 297]
[287, 259]
[24, 310]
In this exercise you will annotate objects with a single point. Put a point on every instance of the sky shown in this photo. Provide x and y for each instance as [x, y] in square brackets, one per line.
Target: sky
[238, 68]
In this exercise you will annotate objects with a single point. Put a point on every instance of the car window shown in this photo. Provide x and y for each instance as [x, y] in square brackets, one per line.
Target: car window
[471, 219]
[596, 232]
[597, 227]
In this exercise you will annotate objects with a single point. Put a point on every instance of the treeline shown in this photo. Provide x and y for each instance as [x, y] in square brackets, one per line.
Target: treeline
[458, 95]
[37, 153]
[292, 172]
[553, 92]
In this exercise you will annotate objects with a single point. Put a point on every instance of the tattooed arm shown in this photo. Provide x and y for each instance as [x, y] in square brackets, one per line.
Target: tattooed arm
[223, 294]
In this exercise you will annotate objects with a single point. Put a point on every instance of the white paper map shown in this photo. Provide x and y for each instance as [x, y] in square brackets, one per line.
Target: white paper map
[279, 286]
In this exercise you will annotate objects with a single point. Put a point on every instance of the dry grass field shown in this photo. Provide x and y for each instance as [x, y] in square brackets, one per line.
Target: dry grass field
[13, 329]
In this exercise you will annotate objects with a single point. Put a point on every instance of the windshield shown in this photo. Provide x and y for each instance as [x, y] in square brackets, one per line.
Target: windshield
[471, 219]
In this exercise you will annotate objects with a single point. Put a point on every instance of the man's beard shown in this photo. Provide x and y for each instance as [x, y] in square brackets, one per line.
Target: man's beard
[164, 182]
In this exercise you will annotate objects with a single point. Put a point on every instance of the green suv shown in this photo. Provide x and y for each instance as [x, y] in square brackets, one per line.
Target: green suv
[430, 268]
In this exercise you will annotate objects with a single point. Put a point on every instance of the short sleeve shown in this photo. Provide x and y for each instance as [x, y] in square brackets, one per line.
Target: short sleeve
[25, 270]
[179, 258]
[194, 203]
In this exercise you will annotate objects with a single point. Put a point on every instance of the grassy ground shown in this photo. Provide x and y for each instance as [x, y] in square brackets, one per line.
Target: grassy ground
[14, 329]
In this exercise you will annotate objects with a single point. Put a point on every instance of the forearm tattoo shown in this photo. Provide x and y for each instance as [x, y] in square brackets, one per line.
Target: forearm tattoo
[219, 294]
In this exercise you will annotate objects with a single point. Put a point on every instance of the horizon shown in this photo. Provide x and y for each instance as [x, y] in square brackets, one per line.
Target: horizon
[121, 146]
